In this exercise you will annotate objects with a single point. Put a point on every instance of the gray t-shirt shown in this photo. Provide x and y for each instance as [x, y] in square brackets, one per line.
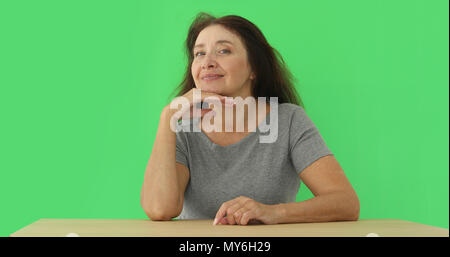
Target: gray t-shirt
[265, 172]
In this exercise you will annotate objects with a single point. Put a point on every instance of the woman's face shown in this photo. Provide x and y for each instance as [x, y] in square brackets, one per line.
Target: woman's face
[218, 51]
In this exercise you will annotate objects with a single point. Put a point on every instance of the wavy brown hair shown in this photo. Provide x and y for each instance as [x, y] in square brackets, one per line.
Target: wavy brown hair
[272, 77]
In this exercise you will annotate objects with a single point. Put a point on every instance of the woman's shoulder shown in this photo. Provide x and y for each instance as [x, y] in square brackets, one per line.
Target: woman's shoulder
[286, 111]
[286, 115]
[290, 106]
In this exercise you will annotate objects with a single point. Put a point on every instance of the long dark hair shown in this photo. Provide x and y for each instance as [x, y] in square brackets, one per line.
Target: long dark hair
[272, 77]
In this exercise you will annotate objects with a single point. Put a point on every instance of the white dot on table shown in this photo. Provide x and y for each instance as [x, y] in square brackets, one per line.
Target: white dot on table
[72, 235]
[372, 235]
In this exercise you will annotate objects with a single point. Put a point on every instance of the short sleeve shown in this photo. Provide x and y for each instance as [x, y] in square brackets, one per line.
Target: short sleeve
[305, 142]
[181, 152]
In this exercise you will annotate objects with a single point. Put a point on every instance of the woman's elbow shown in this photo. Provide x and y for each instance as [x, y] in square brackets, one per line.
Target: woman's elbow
[156, 215]
[350, 207]
[356, 209]
[355, 216]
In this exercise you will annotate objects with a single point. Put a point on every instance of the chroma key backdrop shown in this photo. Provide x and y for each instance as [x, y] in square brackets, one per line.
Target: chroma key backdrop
[83, 84]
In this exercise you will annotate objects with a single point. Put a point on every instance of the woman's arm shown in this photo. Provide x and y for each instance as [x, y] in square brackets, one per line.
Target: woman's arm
[162, 192]
[337, 206]
[165, 180]
[335, 199]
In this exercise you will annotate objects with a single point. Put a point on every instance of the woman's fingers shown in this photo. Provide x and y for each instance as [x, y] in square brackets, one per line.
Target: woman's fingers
[200, 112]
[204, 104]
[196, 95]
[223, 221]
[207, 101]
[203, 112]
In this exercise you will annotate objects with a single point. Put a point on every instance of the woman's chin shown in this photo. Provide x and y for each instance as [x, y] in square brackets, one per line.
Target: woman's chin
[212, 89]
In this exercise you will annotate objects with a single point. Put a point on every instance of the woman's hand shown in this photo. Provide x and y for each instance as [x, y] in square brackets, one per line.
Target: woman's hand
[243, 210]
[192, 98]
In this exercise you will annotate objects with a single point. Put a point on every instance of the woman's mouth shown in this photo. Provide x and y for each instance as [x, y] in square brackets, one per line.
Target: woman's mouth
[211, 78]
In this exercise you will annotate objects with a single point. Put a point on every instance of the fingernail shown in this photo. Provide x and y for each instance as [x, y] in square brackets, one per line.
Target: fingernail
[215, 221]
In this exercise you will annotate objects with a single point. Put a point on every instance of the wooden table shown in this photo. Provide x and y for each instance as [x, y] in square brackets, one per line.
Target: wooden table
[204, 228]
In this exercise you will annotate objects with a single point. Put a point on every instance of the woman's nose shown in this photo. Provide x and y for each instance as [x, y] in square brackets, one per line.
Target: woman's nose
[209, 61]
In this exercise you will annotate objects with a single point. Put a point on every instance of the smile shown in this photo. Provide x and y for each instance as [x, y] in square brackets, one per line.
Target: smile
[211, 78]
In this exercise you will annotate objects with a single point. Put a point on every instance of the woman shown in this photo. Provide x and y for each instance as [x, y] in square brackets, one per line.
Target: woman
[231, 176]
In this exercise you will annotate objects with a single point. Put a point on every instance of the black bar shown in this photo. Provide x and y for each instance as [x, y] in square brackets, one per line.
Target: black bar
[229, 246]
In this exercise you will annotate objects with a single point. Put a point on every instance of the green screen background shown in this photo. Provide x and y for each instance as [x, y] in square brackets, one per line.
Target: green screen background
[83, 84]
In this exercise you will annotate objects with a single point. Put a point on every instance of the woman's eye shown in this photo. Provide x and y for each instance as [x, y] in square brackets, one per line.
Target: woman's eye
[227, 51]
[196, 54]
